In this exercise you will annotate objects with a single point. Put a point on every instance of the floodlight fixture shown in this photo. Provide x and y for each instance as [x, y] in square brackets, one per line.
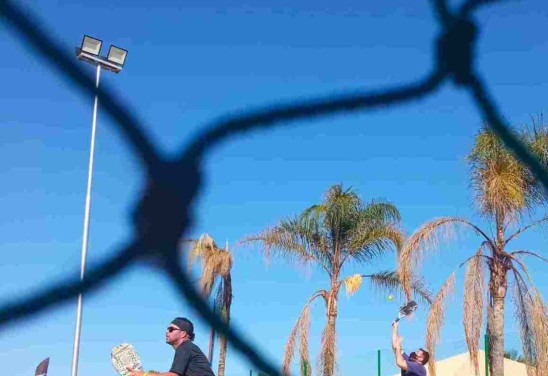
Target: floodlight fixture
[90, 53]
[91, 45]
[117, 55]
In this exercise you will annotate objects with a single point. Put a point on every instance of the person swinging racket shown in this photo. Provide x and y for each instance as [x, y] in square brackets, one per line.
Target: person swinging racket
[412, 364]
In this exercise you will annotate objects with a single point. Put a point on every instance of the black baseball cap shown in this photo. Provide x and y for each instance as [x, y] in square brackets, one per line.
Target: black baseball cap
[184, 324]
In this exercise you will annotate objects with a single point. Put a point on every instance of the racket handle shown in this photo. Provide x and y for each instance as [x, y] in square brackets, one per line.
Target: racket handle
[398, 319]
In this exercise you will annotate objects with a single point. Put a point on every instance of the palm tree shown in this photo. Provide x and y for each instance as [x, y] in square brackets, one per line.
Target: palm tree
[341, 229]
[216, 266]
[505, 191]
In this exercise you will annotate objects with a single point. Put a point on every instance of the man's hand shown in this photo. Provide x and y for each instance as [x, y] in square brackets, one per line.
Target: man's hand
[134, 373]
[395, 324]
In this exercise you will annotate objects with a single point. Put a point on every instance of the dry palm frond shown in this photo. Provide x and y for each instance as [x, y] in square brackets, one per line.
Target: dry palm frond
[532, 316]
[540, 325]
[327, 362]
[525, 228]
[304, 329]
[224, 263]
[529, 253]
[474, 287]
[436, 317]
[301, 326]
[427, 238]
[215, 261]
[200, 248]
[524, 306]
[352, 284]
[207, 279]
[290, 347]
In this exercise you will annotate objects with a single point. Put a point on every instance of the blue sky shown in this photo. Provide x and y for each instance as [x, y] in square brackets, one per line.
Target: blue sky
[190, 62]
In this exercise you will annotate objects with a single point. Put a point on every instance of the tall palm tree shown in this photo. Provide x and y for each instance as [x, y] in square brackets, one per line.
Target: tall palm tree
[505, 191]
[340, 229]
[216, 267]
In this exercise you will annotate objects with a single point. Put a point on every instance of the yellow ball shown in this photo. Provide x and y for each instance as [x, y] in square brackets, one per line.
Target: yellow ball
[390, 297]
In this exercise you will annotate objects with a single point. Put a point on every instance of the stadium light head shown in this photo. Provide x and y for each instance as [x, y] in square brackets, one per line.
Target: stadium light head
[91, 45]
[117, 55]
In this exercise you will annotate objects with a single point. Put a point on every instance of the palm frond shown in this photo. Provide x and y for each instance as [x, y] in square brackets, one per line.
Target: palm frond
[372, 240]
[536, 139]
[380, 211]
[207, 278]
[290, 347]
[304, 329]
[342, 208]
[538, 312]
[529, 253]
[314, 212]
[352, 284]
[436, 318]
[389, 282]
[327, 360]
[537, 136]
[301, 326]
[215, 261]
[540, 325]
[289, 239]
[427, 238]
[198, 248]
[521, 230]
[503, 183]
[474, 285]
[523, 312]
[317, 240]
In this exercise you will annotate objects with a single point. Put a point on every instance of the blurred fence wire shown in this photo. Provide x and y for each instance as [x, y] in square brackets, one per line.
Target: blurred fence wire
[164, 212]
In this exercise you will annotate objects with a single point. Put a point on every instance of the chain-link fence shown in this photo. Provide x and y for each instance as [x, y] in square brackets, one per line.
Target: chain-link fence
[164, 214]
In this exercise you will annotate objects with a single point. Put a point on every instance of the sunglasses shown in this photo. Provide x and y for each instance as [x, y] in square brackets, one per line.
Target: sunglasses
[171, 329]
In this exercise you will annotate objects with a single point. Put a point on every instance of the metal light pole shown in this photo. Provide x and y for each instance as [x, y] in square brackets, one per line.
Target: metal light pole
[89, 52]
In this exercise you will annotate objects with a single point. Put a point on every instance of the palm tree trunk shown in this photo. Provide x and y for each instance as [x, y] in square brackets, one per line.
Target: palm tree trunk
[495, 318]
[211, 345]
[227, 302]
[222, 356]
[329, 337]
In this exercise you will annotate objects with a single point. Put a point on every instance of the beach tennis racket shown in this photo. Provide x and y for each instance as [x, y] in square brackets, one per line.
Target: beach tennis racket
[124, 356]
[42, 369]
[407, 309]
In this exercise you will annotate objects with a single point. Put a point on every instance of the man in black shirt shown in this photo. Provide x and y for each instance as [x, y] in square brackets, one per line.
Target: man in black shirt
[189, 360]
[412, 364]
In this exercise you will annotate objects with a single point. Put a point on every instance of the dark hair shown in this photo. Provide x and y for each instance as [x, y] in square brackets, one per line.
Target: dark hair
[425, 356]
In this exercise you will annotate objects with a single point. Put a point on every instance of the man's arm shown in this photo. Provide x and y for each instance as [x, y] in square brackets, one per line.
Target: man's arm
[141, 373]
[396, 346]
[394, 334]
[400, 361]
